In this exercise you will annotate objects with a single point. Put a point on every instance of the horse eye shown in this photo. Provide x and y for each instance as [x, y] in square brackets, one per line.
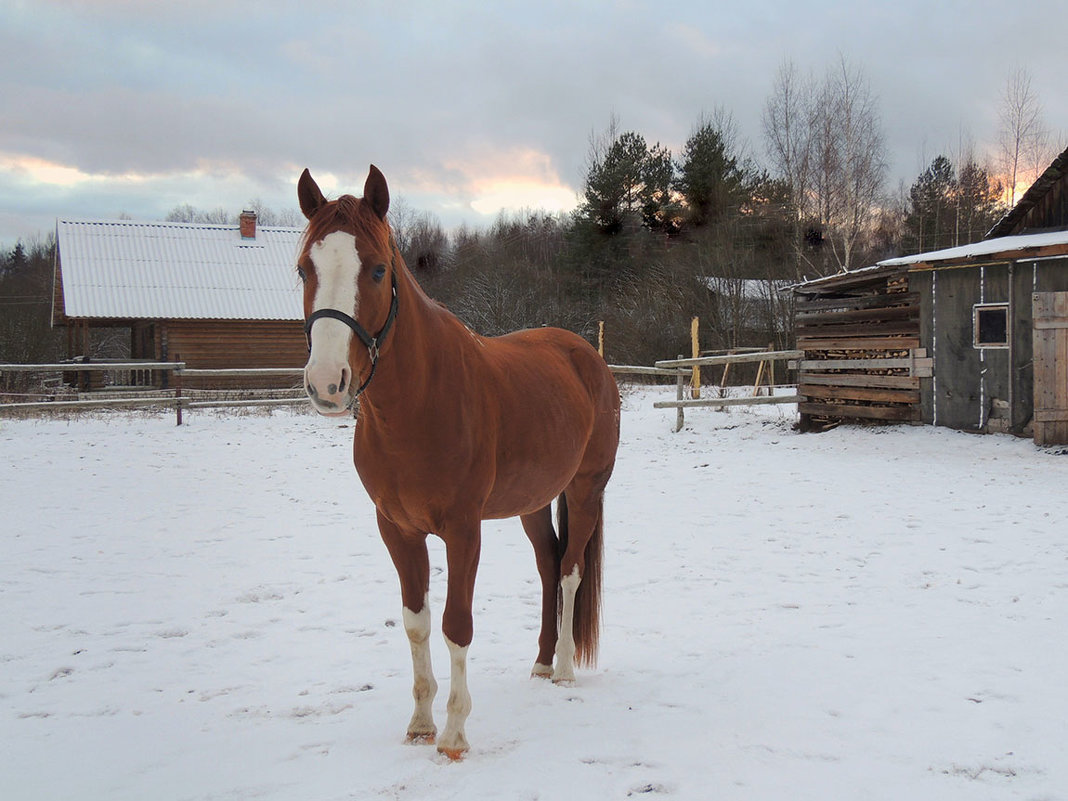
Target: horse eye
[303, 275]
[379, 273]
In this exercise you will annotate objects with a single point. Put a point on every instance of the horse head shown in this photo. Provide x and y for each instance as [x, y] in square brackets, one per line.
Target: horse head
[348, 263]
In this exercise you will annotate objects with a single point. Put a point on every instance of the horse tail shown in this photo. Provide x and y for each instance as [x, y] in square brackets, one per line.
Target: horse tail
[587, 616]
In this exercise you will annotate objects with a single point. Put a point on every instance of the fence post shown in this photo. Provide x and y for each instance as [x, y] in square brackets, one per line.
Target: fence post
[695, 347]
[600, 337]
[680, 384]
[178, 390]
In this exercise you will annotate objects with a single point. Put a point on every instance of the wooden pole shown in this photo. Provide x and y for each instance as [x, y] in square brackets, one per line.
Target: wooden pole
[760, 374]
[695, 378]
[600, 337]
[679, 384]
[771, 373]
[178, 392]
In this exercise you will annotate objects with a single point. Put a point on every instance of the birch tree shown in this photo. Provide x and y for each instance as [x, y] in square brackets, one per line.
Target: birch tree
[1023, 138]
[826, 142]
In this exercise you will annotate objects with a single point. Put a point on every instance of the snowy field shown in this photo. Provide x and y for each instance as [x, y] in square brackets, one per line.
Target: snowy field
[207, 612]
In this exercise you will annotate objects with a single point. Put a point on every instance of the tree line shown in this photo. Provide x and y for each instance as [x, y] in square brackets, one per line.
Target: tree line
[659, 237]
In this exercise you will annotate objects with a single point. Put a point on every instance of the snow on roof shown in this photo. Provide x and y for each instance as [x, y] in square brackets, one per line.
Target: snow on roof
[987, 247]
[164, 270]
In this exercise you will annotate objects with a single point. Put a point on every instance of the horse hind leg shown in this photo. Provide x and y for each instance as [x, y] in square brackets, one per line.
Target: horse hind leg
[539, 530]
[580, 522]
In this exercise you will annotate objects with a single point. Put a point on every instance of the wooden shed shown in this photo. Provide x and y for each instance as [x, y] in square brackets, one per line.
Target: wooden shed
[212, 296]
[973, 337]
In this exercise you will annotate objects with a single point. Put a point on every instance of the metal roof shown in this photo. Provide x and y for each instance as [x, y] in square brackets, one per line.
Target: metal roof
[985, 247]
[162, 270]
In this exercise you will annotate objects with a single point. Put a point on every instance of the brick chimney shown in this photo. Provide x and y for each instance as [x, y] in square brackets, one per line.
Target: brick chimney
[248, 224]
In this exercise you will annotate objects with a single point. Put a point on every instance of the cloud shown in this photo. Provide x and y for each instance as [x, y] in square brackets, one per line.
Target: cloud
[464, 105]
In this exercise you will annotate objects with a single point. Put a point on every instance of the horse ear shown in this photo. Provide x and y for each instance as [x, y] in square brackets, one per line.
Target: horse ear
[376, 192]
[311, 199]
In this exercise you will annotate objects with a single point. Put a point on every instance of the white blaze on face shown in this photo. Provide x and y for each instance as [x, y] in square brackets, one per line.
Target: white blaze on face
[337, 266]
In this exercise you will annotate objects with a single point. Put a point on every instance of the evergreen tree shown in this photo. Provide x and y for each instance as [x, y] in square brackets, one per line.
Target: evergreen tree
[708, 177]
[946, 210]
[978, 202]
[931, 220]
[629, 186]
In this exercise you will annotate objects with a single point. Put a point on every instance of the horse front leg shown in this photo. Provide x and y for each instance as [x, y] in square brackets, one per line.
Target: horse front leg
[409, 553]
[462, 546]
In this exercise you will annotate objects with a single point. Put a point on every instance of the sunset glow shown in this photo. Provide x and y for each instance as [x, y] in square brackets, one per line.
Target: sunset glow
[514, 194]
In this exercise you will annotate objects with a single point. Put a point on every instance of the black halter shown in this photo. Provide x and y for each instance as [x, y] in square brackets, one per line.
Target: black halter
[372, 343]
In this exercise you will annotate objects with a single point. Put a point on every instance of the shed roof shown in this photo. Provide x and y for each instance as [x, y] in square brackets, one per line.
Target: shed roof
[1021, 246]
[122, 269]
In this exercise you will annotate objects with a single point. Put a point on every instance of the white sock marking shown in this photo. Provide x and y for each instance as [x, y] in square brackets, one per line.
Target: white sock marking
[459, 706]
[424, 687]
[565, 641]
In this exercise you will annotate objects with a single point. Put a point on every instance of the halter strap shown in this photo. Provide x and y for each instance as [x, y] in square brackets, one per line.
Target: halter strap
[372, 343]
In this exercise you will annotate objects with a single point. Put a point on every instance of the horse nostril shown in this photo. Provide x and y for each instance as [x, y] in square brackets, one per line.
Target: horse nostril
[344, 380]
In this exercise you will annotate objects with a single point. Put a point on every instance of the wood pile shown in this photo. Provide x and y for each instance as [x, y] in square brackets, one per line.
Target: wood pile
[861, 336]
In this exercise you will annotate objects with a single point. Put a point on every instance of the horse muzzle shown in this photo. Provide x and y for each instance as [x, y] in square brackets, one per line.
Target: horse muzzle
[329, 388]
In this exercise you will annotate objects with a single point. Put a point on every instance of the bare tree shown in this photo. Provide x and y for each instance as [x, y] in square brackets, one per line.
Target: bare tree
[862, 164]
[827, 144]
[1023, 139]
[787, 132]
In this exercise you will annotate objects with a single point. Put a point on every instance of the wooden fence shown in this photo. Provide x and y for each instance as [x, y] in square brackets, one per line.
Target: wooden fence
[176, 397]
[764, 358]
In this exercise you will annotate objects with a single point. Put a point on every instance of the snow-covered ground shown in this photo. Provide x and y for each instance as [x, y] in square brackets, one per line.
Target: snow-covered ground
[206, 612]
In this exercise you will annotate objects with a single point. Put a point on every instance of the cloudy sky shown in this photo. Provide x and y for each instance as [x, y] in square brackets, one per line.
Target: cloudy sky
[132, 107]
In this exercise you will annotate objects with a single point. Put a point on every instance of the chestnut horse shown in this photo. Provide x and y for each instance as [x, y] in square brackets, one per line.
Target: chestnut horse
[453, 429]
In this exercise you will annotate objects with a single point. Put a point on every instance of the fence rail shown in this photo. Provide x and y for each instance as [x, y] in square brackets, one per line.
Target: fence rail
[680, 369]
[175, 397]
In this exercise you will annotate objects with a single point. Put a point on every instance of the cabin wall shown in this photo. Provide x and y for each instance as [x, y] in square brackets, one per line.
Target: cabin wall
[981, 389]
[210, 344]
[970, 385]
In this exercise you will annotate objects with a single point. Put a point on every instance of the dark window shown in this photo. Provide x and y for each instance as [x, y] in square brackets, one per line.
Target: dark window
[991, 325]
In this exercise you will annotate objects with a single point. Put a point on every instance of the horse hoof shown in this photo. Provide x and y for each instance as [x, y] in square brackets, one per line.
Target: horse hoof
[420, 739]
[453, 754]
[540, 671]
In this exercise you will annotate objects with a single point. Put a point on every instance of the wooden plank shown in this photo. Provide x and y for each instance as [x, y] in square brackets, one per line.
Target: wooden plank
[241, 372]
[737, 358]
[857, 315]
[888, 413]
[75, 367]
[864, 302]
[859, 393]
[628, 369]
[1051, 322]
[863, 343]
[903, 363]
[763, 400]
[1051, 415]
[851, 283]
[862, 380]
[904, 328]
